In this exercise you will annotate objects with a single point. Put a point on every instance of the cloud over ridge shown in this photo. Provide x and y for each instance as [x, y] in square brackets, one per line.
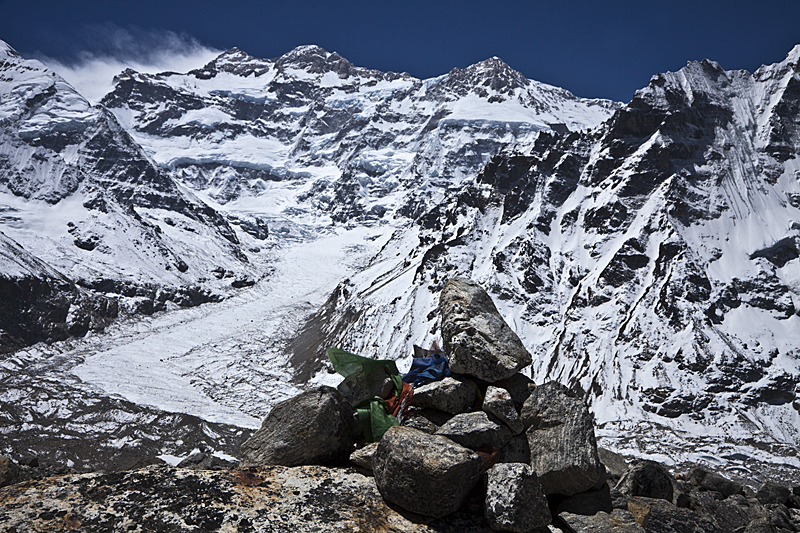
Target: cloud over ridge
[106, 49]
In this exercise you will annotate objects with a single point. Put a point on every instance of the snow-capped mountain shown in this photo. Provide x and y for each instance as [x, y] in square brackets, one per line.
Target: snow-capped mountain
[78, 193]
[652, 262]
[310, 132]
[647, 254]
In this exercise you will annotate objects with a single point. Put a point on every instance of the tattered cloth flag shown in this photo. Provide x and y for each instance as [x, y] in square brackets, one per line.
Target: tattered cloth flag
[375, 414]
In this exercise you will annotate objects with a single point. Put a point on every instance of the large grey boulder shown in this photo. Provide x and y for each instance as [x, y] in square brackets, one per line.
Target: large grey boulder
[560, 431]
[477, 341]
[615, 464]
[450, 394]
[514, 499]
[771, 492]
[316, 427]
[422, 473]
[476, 430]
[498, 402]
[648, 479]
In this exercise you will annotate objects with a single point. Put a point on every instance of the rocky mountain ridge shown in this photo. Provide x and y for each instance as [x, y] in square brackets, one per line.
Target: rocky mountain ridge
[651, 263]
[83, 197]
[345, 142]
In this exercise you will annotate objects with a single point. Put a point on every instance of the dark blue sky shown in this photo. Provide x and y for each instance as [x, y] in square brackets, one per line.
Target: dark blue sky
[592, 48]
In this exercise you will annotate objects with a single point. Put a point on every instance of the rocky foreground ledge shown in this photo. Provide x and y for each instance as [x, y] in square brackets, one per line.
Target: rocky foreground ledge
[264, 499]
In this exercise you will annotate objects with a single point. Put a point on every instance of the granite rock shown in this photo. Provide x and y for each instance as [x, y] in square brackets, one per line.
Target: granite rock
[477, 341]
[425, 474]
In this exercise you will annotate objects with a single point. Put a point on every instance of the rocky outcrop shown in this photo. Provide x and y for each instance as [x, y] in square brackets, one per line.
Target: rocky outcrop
[560, 433]
[426, 474]
[257, 500]
[38, 303]
[314, 427]
[477, 341]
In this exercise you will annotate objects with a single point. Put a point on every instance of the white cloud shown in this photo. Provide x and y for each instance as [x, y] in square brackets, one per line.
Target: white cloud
[113, 49]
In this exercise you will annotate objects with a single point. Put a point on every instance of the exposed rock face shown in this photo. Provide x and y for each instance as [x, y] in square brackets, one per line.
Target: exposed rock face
[332, 119]
[498, 403]
[561, 439]
[477, 341]
[514, 499]
[648, 479]
[618, 521]
[314, 427]
[450, 395]
[426, 474]
[258, 500]
[9, 471]
[38, 303]
[57, 148]
[476, 430]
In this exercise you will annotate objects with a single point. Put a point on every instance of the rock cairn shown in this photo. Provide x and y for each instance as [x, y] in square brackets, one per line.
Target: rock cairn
[488, 441]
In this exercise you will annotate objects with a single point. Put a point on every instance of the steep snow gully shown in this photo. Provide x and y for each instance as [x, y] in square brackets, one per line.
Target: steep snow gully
[245, 215]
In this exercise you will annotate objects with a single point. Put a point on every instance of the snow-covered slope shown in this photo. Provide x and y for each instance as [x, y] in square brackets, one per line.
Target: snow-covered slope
[77, 192]
[310, 132]
[652, 262]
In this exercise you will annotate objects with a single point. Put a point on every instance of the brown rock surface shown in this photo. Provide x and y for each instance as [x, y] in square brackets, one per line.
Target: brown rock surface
[265, 499]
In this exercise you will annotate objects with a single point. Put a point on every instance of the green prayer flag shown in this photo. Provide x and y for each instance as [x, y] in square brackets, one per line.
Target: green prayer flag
[373, 413]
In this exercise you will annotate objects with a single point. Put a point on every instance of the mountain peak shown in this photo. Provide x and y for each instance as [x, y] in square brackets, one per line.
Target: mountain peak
[492, 73]
[793, 57]
[315, 60]
[234, 61]
[7, 51]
